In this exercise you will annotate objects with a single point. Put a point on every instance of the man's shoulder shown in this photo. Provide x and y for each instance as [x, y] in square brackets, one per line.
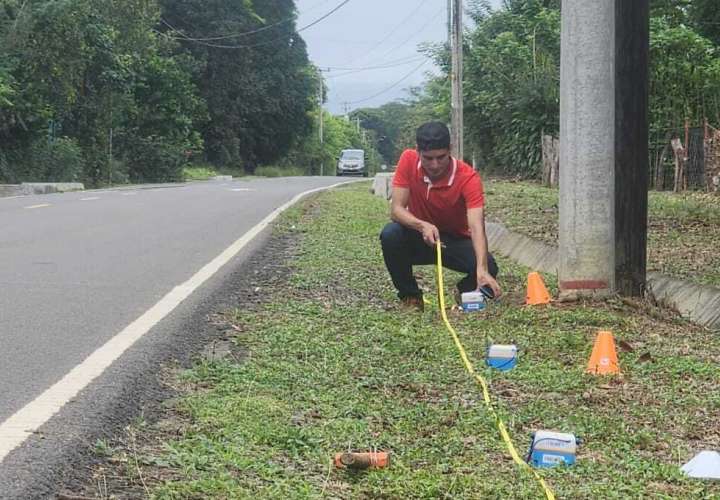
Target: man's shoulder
[469, 182]
[465, 171]
[409, 155]
[408, 160]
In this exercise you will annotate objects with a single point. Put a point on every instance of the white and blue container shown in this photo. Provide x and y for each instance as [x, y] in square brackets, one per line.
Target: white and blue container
[473, 301]
[502, 357]
[549, 449]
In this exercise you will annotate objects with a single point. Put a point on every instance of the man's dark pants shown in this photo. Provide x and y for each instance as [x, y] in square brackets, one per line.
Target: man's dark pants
[403, 248]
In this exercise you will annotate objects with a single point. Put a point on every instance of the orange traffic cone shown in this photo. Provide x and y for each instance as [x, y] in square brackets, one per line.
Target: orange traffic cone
[603, 360]
[536, 291]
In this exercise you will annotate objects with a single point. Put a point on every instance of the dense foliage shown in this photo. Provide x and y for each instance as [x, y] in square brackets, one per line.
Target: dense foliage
[102, 91]
[91, 91]
[512, 80]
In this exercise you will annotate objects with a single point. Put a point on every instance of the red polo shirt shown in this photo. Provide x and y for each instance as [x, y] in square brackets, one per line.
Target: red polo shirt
[444, 202]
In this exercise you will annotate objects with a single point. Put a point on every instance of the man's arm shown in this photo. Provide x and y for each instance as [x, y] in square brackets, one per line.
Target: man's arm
[476, 222]
[400, 214]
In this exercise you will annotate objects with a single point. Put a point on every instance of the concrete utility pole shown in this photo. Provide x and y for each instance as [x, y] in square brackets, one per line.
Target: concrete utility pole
[449, 22]
[456, 76]
[632, 47]
[603, 147]
[320, 125]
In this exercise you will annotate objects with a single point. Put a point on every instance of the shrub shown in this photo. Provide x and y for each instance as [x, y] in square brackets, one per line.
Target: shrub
[151, 159]
[60, 160]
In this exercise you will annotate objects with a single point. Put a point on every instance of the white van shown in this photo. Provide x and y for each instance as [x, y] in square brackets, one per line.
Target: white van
[352, 162]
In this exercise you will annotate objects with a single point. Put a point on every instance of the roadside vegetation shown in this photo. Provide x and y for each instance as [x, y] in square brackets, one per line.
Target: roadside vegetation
[107, 92]
[201, 173]
[329, 363]
[683, 229]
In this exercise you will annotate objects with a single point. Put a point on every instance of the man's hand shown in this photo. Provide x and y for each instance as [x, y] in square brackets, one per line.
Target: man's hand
[400, 214]
[484, 278]
[430, 234]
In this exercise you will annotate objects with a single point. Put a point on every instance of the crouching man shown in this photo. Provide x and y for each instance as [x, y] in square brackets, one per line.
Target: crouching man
[436, 197]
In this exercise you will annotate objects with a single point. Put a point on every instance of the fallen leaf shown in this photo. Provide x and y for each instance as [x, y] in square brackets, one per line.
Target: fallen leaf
[645, 358]
[625, 346]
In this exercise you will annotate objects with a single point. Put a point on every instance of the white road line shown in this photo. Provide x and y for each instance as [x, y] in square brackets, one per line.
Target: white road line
[243, 189]
[129, 194]
[17, 428]
[42, 205]
[12, 197]
[92, 198]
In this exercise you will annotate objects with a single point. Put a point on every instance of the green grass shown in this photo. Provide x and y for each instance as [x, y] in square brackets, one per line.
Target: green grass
[204, 172]
[270, 171]
[683, 229]
[198, 173]
[333, 364]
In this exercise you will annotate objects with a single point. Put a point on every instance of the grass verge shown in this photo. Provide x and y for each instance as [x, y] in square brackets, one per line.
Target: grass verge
[683, 229]
[330, 364]
[270, 171]
[198, 173]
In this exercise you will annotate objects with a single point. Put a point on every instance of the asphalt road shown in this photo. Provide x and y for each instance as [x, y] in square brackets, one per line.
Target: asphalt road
[78, 268]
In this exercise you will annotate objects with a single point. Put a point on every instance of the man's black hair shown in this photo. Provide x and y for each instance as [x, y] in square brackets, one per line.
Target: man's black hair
[432, 135]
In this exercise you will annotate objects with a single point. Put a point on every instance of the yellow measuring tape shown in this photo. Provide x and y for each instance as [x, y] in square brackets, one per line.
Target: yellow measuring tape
[486, 392]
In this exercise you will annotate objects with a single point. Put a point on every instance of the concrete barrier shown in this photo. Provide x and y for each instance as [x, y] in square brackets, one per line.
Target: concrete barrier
[382, 185]
[698, 303]
[27, 188]
[51, 187]
[7, 190]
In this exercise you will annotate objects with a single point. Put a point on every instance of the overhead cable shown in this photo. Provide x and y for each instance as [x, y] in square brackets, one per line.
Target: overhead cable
[201, 42]
[388, 64]
[430, 20]
[390, 33]
[391, 86]
[259, 30]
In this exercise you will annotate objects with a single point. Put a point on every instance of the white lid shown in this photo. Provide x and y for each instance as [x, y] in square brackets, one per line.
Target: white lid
[554, 441]
[473, 297]
[502, 351]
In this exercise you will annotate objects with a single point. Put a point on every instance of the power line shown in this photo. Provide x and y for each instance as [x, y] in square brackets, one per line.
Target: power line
[201, 42]
[391, 86]
[390, 33]
[388, 64]
[259, 30]
[333, 76]
[430, 20]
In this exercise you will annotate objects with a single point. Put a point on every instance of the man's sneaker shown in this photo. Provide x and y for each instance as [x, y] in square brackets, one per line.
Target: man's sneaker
[413, 302]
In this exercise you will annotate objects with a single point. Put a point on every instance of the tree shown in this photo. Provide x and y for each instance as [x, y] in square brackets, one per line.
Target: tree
[705, 17]
[512, 83]
[259, 88]
[386, 122]
[684, 79]
[76, 70]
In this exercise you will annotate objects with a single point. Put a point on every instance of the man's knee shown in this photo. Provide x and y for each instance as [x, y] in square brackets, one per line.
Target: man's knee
[393, 234]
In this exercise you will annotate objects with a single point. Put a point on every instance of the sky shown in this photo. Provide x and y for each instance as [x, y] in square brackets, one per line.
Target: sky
[366, 34]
